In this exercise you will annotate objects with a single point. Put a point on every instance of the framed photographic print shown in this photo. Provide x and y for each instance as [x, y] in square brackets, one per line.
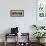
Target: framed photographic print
[41, 12]
[17, 13]
[41, 8]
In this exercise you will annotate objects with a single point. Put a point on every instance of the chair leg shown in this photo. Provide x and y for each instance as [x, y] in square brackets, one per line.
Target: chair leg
[5, 44]
[5, 40]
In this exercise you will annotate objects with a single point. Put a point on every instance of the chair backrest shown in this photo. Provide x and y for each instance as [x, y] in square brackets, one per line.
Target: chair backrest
[14, 30]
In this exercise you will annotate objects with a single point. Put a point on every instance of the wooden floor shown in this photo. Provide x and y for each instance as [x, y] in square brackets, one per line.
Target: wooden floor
[13, 44]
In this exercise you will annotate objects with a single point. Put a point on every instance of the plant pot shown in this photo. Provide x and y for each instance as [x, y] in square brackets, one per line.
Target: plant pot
[38, 40]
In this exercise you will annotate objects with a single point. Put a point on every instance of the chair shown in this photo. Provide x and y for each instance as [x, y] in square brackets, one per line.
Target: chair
[25, 43]
[14, 32]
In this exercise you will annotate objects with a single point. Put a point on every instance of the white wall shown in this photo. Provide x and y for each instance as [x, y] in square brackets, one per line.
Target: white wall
[23, 23]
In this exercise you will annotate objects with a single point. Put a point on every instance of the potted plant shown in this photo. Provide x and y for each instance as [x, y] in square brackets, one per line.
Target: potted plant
[42, 27]
[38, 27]
[35, 26]
[39, 35]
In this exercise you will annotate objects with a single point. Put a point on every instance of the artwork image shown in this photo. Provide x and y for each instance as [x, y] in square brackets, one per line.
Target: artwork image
[41, 8]
[17, 13]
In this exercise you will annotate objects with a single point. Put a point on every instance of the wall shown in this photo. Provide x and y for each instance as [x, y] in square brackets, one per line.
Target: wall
[24, 23]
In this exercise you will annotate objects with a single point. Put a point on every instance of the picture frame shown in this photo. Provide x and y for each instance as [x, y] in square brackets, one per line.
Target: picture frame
[17, 13]
[40, 12]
